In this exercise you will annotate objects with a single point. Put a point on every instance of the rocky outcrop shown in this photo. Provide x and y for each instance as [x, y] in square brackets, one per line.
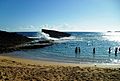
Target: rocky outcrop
[55, 34]
[9, 40]
[12, 39]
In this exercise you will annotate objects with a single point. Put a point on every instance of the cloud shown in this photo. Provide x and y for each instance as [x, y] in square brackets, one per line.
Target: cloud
[3, 28]
[29, 28]
[66, 27]
[59, 27]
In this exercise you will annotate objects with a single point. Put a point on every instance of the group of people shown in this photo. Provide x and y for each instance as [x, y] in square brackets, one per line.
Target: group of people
[78, 50]
[116, 50]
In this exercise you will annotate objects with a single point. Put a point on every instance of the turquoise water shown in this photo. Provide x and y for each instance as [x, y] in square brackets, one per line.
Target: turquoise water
[64, 49]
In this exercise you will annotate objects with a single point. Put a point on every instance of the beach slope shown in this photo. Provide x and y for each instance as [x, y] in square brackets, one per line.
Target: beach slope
[17, 69]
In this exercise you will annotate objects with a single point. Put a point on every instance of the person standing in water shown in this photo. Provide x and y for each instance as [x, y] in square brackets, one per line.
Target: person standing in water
[76, 50]
[116, 49]
[109, 50]
[93, 50]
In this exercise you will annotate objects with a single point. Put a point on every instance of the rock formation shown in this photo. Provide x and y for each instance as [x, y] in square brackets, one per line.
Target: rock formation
[55, 34]
[12, 39]
[8, 41]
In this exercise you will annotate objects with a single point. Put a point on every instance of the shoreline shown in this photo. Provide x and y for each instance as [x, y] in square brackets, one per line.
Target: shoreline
[56, 63]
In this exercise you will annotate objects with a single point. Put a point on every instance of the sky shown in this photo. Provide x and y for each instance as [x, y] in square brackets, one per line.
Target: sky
[63, 15]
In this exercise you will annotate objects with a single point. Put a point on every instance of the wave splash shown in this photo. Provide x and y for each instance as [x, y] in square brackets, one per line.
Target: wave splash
[58, 40]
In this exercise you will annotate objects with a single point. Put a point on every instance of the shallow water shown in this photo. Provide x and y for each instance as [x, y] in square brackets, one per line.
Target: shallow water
[64, 49]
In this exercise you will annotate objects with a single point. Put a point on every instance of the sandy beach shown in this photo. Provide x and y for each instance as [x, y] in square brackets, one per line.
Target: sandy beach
[17, 69]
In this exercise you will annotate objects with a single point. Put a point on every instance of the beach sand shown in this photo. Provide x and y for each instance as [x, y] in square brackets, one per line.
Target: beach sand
[17, 69]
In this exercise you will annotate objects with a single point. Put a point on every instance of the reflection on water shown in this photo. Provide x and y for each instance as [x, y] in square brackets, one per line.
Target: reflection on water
[112, 36]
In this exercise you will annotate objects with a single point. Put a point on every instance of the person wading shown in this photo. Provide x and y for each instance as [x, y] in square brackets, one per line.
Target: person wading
[93, 50]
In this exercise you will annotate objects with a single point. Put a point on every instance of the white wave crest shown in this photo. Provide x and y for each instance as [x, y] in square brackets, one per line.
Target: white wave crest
[46, 36]
[68, 38]
[115, 61]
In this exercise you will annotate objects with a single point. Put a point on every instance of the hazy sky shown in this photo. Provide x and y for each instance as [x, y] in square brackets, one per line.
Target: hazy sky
[72, 15]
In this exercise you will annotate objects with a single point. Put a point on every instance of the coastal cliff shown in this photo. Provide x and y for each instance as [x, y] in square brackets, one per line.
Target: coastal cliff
[55, 34]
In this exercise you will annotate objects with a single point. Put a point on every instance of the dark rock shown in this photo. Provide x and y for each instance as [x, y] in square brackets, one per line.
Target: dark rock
[12, 39]
[55, 34]
[9, 40]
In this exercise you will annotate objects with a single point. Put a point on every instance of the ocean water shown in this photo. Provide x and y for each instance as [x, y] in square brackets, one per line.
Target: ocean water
[63, 50]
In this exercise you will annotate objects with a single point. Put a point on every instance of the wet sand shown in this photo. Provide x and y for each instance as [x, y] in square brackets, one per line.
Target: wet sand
[17, 69]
